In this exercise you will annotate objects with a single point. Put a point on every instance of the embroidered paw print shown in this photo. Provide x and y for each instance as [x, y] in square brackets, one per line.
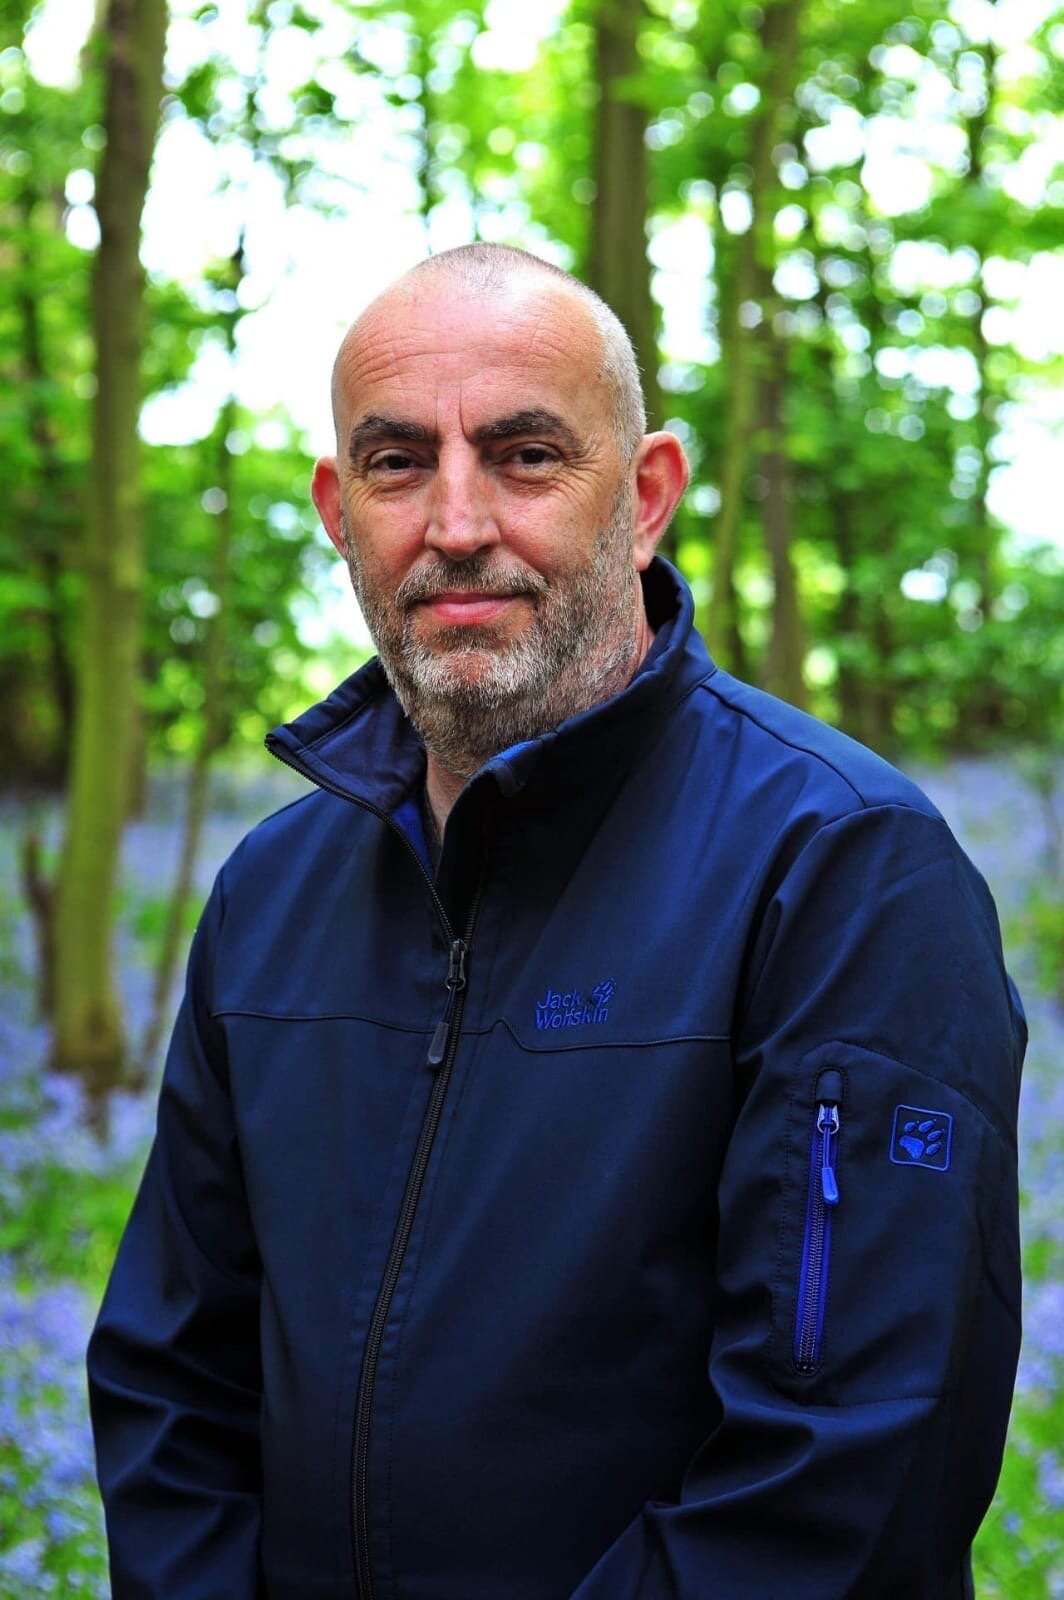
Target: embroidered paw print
[922, 1138]
[604, 992]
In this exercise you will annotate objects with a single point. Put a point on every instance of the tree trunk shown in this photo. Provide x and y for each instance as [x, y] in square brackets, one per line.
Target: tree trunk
[847, 627]
[744, 303]
[88, 1035]
[213, 729]
[44, 523]
[737, 360]
[426, 166]
[786, 646]
[984, 707]
[985, 418]
[38, 891]
[618, 266]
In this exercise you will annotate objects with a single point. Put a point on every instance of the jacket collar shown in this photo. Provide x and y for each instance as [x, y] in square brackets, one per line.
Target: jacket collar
[359, 744]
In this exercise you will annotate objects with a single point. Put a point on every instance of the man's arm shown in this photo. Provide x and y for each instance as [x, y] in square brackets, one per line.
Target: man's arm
[865, 1346]
[174, 1372]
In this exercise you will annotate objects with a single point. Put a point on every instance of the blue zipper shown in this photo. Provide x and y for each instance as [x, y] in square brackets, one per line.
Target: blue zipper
[821, 1200]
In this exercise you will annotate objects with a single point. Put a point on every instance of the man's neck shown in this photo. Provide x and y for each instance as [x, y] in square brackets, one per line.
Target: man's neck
[442, 787]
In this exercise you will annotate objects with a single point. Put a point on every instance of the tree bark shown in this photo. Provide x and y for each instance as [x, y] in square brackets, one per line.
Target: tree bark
[426, 166]
[212, 735]
[44, 526]
[786, 646]
[985, 417]
[743, 300]
[38, 891]
[737, 359]
[618, 265]
[89, 1036]
[984, 707]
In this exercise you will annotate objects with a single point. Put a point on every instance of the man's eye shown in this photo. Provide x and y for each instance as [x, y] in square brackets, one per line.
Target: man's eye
[532, 455]
[391, 461]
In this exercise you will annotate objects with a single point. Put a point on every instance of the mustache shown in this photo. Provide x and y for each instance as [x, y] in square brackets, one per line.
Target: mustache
[478, 575]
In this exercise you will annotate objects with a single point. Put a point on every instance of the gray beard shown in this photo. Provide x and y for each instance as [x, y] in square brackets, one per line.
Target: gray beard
[473, 693]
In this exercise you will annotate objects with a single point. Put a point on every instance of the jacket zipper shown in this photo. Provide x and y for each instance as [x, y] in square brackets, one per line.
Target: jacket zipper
[441, 1054]
[821, 1200]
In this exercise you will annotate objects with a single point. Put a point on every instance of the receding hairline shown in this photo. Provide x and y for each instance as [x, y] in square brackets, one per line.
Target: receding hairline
[494, 268]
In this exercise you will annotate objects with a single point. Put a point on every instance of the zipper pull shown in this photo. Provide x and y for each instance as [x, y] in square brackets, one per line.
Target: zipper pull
[828, 1096]
[456, 980]
[438, 1047]
[827, 1122]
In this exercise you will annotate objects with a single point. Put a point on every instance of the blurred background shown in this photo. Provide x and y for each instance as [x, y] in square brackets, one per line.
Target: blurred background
[836, 234]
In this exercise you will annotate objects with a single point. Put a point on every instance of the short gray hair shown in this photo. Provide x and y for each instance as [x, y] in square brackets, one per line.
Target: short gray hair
[492, 266]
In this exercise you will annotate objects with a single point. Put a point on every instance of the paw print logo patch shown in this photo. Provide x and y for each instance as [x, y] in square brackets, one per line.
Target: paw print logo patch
[922, 1138]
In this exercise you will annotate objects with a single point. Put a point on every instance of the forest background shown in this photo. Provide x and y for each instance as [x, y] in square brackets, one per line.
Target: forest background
[836, 233]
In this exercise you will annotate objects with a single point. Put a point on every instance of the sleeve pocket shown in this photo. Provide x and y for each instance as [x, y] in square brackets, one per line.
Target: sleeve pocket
[888, 1203]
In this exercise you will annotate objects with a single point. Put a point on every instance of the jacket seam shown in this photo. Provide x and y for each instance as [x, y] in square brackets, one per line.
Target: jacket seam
[910, 1066]
[318, 1016]
[604, 1044]
[484, 1028]
[853, 1405]
[815, 755]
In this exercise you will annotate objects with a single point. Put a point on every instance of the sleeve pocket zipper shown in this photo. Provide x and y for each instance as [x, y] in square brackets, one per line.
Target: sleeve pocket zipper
[821, 1200]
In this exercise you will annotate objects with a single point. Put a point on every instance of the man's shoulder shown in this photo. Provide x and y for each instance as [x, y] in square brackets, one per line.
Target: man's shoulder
[281, 841]
[774, 742]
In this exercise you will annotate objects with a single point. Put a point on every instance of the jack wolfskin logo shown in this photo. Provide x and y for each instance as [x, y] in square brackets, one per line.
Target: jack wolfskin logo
[922, 1138]
[572, 1009]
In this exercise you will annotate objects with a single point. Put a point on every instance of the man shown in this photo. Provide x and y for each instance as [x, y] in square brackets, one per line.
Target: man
[586, 1156]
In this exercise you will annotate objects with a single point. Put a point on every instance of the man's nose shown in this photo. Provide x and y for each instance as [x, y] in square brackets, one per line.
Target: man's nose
[461, 517]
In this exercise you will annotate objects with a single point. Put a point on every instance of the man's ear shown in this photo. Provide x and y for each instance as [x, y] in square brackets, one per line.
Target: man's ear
[325, 492]
[661, 474]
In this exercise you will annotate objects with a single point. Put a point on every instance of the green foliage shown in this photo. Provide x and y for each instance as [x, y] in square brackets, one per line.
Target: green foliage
[44, 372]
[891, 462]
[68, 1224]
[1017, 1553]
[1045, 920]
[927, 627]
[146, 916]
[275, 562]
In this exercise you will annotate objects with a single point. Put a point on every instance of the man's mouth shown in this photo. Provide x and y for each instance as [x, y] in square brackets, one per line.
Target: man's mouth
[456, 607]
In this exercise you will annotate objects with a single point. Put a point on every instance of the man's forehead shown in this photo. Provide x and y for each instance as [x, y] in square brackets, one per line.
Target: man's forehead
[445, 344]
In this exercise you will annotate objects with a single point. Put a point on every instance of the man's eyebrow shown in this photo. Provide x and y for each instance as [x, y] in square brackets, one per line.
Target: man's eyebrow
[377, 429]
[535, 419]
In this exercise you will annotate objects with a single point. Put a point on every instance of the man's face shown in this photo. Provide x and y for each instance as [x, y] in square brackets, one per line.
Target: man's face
[487, 513]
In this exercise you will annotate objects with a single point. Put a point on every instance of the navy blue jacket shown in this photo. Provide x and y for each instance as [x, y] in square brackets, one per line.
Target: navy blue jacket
[625, 1211]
